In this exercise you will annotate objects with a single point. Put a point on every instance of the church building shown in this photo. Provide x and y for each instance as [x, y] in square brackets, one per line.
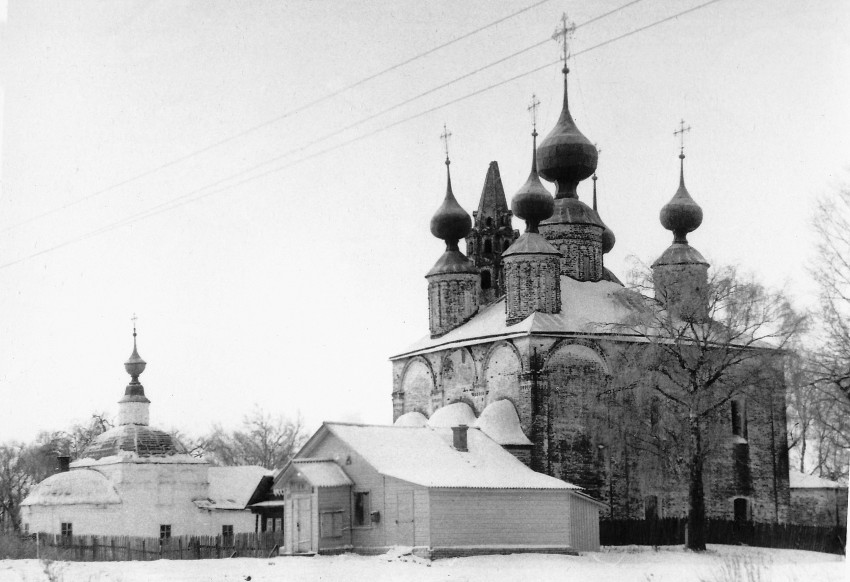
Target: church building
[527, 322]
[137, 480]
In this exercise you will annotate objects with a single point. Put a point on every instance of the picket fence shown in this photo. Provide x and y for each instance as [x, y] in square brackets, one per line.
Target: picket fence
[124, 548]
[671, 531]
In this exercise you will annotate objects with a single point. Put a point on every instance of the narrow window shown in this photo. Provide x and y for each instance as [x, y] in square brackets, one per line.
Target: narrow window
[650, 507]
[489, 221]
[67, 529]
[470, 248]
[488, 246]
[739, 418]
[164, 532]
[362, 509]
[227, 535]
[277, 524]
[26, 529]
[486, 283]
[742, 510]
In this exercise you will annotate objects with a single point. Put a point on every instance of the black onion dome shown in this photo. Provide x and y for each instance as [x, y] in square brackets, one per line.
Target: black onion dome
[682, 214]
[532, 202]
[566, 156]
[451, 222]
[135, 365]
[142, 440]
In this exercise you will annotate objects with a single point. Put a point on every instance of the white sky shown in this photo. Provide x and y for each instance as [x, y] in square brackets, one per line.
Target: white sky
[292, 290]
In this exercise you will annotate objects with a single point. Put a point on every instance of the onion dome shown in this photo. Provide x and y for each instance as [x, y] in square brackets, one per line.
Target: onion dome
[566, 155]
[451, 222]
[135, 366]
[532, 202]
[608, 238]
[681, 215]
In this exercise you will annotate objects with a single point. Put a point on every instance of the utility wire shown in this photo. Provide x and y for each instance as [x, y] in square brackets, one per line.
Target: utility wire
[186, 198]
[273, 120]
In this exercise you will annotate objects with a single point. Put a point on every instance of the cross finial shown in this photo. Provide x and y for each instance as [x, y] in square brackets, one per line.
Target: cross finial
[563, 34]
[445, 137]
[535, 103]
[133, 319]
[681, 133]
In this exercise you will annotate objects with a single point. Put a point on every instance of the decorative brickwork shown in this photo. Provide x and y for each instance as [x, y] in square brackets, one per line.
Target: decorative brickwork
[581, 248]
[452, 299]
[533, 284]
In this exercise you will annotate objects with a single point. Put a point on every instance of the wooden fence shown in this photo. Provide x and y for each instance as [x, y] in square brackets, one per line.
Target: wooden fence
[123, 548]
[671, 531]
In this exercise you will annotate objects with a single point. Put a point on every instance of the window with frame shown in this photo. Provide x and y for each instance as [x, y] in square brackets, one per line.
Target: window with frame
[164, 531]
[227, 533]
[67, 529]
[330, 524]
[739, 418]
[277, 524]
[362, 509]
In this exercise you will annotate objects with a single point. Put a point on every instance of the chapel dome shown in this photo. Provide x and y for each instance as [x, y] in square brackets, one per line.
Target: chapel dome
[682, 214]
[532, 202]
[143, 440]
[78, 486]
[450, 222]
[566, 156]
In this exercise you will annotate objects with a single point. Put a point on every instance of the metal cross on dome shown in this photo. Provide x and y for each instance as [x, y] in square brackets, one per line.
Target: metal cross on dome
[445, 137]
[535, 103]
[564, 33]
[681, 133]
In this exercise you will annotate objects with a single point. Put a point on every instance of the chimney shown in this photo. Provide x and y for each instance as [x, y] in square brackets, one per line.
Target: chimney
[459, 437]
[64, 463]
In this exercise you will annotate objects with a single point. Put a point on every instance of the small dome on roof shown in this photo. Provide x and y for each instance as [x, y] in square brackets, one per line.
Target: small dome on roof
[452, 415]
[532, 202]
[415, 419]
[78, 486]
[142, 440]
[500, 422]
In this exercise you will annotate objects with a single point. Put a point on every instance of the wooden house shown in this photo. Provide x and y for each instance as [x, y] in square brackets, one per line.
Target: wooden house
[442, 491]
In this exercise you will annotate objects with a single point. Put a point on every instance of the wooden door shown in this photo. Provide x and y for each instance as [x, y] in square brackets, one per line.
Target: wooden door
[303, 525]
[405, 526]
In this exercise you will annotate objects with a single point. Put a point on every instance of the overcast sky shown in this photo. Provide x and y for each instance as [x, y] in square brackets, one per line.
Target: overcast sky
[291, 290]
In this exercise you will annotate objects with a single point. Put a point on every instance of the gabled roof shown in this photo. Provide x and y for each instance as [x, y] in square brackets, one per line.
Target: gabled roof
[799, 480]
[587, 308]
[425, 456]
[231, 487]
[317, 472]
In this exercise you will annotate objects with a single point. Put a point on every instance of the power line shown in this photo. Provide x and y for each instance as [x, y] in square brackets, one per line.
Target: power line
[273, 120]
[186, 198]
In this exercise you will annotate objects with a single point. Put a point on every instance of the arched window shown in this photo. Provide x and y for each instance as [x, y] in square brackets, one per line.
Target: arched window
[488, 246]
[489, 221]
[485, 279]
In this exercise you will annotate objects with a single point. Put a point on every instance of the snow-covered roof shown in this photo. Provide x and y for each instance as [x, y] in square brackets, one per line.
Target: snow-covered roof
[74, 487]
[231, 487]
[451, 415]
[803, 481]
[320, 472]
[425, 456]
[500, 421]
[413, 418]
[587, 308]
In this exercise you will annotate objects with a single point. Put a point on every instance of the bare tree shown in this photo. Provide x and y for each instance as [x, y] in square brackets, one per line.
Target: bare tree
[15, 483]
[265, 440]
[831, 366]
[699, 364]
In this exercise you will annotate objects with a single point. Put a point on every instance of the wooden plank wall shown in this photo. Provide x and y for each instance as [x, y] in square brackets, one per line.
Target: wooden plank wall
[584, 524]
[126, 548]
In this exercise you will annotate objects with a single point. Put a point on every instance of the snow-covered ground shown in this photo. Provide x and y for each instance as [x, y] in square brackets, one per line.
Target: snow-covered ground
[622, 564]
